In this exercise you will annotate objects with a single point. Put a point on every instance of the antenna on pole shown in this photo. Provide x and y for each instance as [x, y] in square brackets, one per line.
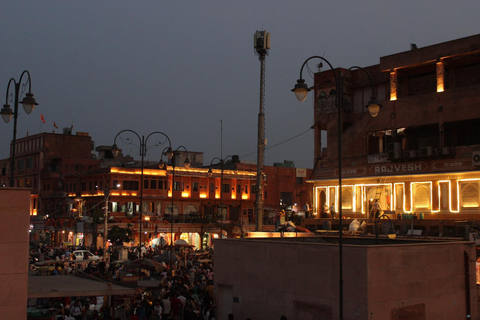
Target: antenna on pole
[262, 45]
[221, 139]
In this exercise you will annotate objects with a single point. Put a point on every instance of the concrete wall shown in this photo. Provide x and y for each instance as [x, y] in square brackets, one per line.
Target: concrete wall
[263, 279]
[14, 217]
[423, 281]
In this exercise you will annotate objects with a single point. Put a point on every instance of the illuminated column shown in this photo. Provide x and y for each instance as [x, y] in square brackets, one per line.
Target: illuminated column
[435, 196]
[454, 204]
[408, 198]
[440, 76]
[393, 86]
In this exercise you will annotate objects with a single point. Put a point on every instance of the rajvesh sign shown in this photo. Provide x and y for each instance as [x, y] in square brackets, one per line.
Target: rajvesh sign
[398, 168]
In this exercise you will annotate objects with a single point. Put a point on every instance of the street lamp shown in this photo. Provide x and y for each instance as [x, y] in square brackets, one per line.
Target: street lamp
[171, 154]
[143, 151]
[210, 173]
[301, 89]
[28, 103]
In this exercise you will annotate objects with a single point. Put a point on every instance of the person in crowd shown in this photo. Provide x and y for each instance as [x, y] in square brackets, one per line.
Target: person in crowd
[375, 213]
[76, 311]
[332, 210]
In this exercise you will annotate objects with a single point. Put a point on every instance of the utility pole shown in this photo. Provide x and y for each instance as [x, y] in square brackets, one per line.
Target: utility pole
[106, 194]
[261, 45]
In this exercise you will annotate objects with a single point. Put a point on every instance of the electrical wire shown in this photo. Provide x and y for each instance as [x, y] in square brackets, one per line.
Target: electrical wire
[247, 155]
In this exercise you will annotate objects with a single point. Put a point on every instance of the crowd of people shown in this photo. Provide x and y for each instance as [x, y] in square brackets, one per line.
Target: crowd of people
[185, 289]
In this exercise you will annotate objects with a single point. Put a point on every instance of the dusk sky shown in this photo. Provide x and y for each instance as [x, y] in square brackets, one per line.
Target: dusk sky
[182, 67]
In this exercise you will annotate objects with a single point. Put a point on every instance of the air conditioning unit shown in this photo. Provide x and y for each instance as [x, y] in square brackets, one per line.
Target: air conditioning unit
[476, 158]
[394, 150]
[410, 153]
[441, 151]
[426, 151]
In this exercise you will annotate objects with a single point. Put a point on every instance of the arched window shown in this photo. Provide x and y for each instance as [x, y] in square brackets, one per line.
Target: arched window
[470, 195]
[168, 210]
[190, 209]
[347, 198]
[421, 196]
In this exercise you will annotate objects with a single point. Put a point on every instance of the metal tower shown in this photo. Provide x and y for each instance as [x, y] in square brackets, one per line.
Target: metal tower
[261, 45]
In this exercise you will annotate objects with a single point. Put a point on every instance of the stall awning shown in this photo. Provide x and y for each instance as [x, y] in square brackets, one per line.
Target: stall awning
[72, 286]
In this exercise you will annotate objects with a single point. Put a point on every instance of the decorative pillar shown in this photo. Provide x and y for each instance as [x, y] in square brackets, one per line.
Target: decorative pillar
[393, 86]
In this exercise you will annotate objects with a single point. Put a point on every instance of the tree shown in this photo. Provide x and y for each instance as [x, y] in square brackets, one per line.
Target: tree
[119, 235]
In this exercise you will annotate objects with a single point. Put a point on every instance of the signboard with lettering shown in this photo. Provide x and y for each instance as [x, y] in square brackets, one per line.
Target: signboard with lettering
[398, 168]
[451, 165]
[475, 237]
[379, 168]
[301, 173]
[377, 158]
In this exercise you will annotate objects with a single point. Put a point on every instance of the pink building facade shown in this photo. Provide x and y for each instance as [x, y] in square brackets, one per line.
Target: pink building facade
[14, 213]
[299, 278]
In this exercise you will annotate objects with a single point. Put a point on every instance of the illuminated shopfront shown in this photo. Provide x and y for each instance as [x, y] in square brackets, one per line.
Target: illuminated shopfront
[431, 194]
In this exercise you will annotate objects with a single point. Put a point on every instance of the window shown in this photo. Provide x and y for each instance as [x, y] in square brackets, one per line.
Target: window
[226, 188]
[190, 209]
[146, 183]
[195, 186]
[160, 184]
[153, 184]
[21, 164]
[462, 133]
[212, 188]
[130, 185]
[239, 188]
[176, 186]
[29, 163]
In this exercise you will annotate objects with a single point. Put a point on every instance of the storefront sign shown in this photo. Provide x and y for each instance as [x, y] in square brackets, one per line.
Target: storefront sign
[352, 172]
[301, 173]
[474, 237]
[398, 168]
[377, 158]
[450, 165]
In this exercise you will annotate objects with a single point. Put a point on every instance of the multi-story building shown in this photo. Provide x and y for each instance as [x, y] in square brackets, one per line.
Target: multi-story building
[420, 157]
[42, 163]
[69, 181]
[205, 199]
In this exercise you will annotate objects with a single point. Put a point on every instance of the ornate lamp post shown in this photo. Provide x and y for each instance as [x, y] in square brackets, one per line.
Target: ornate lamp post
[301, 89]
[28, 103]
[143, 151]
[186, 164]
[210, 173]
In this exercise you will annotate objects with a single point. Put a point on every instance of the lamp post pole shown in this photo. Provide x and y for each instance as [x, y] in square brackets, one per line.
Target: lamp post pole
[186, 164]
[28, 103]
[143, 151]
[301, 89]
[106, 194]
[210, 173]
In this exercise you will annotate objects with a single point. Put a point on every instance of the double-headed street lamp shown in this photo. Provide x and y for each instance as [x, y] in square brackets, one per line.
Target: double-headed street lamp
[143, 151]
[28, 103]
[186, 164]
[301, 89]
[210, 173]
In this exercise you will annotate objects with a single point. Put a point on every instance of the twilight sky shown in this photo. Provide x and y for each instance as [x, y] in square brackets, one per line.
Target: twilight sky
[182, 67]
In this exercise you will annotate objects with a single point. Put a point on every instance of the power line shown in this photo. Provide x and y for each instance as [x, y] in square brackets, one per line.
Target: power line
[247, 155]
